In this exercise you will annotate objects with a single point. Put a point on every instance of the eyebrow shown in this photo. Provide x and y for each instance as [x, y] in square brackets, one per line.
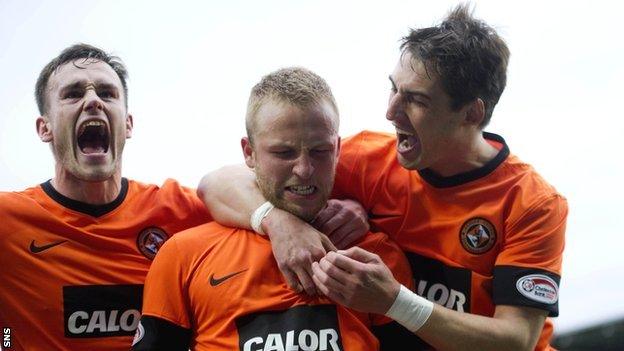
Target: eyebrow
[410, 92]
[81, 84]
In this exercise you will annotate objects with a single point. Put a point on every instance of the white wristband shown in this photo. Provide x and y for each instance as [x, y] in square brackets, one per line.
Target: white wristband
[410, 310]
[258, 216]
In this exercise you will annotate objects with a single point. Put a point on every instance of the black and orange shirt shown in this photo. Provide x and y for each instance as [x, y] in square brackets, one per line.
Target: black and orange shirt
[73, 273]
[219, 288]
[491, 236]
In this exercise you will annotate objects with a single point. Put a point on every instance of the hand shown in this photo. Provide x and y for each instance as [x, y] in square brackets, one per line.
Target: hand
[295, 245]
[357, 279]
[343, 221]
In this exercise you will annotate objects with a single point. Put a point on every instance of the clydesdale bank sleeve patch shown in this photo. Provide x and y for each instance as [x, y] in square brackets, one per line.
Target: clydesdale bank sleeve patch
[532, 287]
[538, 287]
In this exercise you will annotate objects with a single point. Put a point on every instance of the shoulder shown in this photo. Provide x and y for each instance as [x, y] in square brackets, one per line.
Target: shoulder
[527, 186]
[201, 237]
[208, 236]
[368, 152]
[169, 194]
[168, 186]
[16, 200]
[369, 142]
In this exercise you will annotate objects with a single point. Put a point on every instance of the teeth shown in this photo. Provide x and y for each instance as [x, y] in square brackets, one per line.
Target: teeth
[405, 144]
[400, 131]
[302, 189]
[92, 123]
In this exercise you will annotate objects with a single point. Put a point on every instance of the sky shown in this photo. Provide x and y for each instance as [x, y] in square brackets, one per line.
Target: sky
[193, 63]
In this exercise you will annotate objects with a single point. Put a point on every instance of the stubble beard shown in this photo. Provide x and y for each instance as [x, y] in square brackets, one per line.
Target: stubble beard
[276, 197]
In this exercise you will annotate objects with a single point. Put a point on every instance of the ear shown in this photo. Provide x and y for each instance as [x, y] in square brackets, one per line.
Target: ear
[248, 152]
[44, 129]
[129, 126]
[475, 112]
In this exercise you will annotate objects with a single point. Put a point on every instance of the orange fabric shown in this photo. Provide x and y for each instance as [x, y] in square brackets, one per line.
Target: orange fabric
[178, 287]
[99, 254]
[527, 214]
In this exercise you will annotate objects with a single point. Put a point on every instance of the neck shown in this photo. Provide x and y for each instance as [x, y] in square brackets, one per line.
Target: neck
[93, 193]
[470, 153]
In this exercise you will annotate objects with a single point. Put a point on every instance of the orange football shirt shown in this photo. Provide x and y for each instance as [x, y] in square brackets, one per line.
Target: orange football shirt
[73, 273]
[491, 236]
[223, 284]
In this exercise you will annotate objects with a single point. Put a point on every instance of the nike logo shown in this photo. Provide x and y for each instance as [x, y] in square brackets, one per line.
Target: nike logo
[216, 281]
[37, 249]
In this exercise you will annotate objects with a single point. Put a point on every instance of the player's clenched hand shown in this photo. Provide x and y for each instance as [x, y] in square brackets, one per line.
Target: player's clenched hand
[295, 245]
[357, 279]
[343, 221]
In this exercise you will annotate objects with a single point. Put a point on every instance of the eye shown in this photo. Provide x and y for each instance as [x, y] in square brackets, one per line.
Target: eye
[283, 154]
[73, 94]
[411, 99]
[107, 94]
[323, 151]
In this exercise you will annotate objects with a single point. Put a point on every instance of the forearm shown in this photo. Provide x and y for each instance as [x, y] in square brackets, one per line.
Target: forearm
[511, 328]
[231, 195]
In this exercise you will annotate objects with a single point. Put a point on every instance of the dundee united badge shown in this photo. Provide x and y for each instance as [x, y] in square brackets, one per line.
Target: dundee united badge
[477, 235]
[150, 240]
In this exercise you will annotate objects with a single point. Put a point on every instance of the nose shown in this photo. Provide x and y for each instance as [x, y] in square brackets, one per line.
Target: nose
[93, 104]
[303, 167]
[395, 106]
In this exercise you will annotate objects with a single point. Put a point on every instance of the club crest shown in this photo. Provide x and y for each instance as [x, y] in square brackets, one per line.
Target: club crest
[477, 235]
[150, 240]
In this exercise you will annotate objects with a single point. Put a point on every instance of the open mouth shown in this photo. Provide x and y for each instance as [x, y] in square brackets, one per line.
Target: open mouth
[406, 141]
[302, 190]
[93, 137]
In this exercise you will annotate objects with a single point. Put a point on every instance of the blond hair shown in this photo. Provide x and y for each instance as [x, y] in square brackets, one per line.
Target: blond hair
[295, 85]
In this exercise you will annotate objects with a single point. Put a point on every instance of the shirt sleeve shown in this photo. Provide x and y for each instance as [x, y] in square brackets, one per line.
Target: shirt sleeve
[528, 268]
[165, 295]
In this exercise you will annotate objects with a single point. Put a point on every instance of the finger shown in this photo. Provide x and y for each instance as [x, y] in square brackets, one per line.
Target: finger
[342, 277]
[344, 262]
[338, 220]
[325, 280]
[358, 254]
[327, 244]
[343, 238]
[324, 284]
[328, 212]
[320, 286]
[291, 280]
[306, 281]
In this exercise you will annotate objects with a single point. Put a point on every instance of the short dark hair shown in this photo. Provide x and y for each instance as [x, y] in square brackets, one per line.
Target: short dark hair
[74, 52]
[467, 55]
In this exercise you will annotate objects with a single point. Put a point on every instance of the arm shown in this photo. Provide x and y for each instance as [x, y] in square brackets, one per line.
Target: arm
[231, 195]
[360, 280]
[155, 334]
